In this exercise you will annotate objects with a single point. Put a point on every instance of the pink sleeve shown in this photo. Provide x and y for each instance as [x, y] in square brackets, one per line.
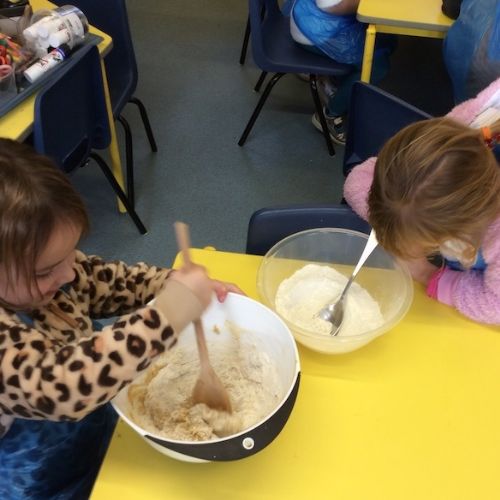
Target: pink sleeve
[476, 294]
[442, 285]
[357, 186]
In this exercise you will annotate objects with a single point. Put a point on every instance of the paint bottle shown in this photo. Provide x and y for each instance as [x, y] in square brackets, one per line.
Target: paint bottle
[46, 63]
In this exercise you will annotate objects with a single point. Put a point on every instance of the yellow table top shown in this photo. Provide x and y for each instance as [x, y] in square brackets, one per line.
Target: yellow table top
[413, 415]
[417, 14]
[17, 124]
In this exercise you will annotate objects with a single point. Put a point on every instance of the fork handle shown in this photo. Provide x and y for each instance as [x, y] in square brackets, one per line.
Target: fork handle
[346, 289]
[371, 244]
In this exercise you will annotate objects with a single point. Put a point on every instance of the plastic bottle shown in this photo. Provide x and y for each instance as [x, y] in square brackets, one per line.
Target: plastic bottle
[52, 28]
[46, 63]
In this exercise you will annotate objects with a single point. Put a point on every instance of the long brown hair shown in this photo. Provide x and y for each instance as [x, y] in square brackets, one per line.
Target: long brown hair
[435, 180]
[34, 196]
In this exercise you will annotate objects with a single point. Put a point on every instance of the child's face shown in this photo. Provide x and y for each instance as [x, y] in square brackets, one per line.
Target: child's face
[53, 269]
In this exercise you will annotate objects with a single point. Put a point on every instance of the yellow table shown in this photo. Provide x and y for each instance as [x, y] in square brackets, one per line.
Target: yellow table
[18, 123]
[401, 17]
[413, 415]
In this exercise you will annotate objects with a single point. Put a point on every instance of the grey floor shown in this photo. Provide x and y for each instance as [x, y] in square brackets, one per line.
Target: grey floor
[199, 99]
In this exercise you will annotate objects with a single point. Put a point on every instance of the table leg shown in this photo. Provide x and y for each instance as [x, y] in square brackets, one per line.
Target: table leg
[114, 152]
[366, 70]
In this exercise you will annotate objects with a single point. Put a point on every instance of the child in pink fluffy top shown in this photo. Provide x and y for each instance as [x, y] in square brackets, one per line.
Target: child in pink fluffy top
[435, 189]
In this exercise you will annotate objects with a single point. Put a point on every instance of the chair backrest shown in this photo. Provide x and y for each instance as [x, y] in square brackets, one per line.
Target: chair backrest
[261, 12]
[70, 112]
[266, 19]
[267, 226]
[374, 117]
[111, 17]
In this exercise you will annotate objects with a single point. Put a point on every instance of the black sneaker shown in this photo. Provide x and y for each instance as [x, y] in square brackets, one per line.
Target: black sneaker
[336, 127]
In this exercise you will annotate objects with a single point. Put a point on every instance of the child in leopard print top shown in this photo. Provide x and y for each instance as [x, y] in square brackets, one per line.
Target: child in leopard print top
[54, 365]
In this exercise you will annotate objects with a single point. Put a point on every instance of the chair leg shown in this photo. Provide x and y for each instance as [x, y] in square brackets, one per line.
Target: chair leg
[145, 121]
[259, 107]
[260, 81]
[246, 38]
[119, 192]
[129, 159]
[319, 109]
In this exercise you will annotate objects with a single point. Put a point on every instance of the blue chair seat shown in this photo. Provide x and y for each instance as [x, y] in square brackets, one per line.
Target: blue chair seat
[283, 54]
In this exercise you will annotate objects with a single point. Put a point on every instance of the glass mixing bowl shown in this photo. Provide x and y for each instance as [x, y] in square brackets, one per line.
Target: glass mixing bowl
[387, 280]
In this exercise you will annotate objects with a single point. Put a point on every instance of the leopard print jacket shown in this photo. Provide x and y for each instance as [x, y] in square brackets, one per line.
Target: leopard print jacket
[49, 370]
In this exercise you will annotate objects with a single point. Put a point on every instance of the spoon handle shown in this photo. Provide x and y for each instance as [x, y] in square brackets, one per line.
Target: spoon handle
[369, 247]
[184, 243]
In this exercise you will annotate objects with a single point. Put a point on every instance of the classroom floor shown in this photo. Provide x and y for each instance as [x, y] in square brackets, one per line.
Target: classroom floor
[199, 99]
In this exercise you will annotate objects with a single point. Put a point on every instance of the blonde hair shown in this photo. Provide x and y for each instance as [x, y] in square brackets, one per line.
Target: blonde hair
[434, 181]
[34, 196]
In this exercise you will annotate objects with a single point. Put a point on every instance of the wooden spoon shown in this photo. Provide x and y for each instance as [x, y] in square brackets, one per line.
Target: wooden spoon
[208, 388]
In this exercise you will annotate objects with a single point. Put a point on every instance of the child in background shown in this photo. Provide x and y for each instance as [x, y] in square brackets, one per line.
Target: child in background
[57, 371]
[435, 188]
[330, 27]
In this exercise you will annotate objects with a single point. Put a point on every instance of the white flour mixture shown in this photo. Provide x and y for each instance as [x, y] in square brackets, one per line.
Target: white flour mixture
[161, 402]
[300, 297]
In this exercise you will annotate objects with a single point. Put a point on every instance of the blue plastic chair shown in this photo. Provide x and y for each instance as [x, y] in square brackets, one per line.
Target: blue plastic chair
[111, 17]
[71, 119]
[374, 117]
[267, 226]
[275, 51]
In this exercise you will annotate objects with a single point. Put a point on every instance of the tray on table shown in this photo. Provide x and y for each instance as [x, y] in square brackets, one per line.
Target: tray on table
[28, 89]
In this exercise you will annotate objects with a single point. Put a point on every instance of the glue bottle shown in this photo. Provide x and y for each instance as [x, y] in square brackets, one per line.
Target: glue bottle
[46, 63]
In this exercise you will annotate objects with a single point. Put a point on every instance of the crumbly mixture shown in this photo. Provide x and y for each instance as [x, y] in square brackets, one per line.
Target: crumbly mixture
[300, 297]
[161, 403]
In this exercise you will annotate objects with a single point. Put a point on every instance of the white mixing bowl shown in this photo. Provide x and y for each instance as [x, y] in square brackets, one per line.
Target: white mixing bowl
[273, 337]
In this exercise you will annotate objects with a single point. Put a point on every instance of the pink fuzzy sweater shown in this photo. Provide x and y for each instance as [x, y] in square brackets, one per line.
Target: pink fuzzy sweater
[475, 294]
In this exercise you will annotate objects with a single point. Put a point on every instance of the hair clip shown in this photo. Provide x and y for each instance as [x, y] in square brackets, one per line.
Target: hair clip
[490, 139]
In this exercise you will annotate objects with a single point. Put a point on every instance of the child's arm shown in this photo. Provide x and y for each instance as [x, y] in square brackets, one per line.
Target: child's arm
[43, 376]
[115, 288]
[338, 7]
[357, 187]
[475, 294]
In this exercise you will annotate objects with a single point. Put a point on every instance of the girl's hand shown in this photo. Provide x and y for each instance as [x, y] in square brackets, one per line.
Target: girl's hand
[421, 269]
[197, 280]
[221, 289]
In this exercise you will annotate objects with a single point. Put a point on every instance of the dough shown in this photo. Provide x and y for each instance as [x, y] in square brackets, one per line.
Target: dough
[161, 402]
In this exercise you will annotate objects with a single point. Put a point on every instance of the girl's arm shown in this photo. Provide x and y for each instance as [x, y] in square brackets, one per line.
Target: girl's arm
[44, 376]
[339, 8]
[357, 187]
[476, 294]
[63, 373]
[115, 288]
